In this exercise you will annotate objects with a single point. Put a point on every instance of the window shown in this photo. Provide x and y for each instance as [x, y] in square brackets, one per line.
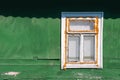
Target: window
[81, 40]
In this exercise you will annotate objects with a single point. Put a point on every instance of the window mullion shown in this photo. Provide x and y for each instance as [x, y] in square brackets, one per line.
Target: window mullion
[81, 48]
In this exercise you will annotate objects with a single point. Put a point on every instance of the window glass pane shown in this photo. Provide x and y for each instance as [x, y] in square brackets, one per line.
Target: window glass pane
[89, 48]
[81, 25]
[73, 48]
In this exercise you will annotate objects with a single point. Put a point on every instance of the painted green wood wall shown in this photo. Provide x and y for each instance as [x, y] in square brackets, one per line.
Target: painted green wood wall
[33, 45]
[30, 40]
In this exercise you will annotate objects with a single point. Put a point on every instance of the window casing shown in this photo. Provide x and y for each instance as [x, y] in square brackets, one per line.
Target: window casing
[81, 40]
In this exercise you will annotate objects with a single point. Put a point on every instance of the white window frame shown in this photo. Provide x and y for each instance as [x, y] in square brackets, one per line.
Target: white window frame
[64, 16]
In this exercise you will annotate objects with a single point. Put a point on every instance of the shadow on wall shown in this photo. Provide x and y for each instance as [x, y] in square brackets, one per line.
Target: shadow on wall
[53, 9]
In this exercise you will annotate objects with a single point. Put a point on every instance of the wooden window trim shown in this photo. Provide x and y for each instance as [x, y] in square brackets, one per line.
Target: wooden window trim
[67, 31]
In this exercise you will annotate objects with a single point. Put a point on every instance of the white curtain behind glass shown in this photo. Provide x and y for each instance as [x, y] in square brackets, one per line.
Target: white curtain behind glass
[88, 48]
[74, 48]
[81, 25]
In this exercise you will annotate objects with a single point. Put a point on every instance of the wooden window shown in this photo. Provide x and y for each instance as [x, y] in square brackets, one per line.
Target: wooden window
[81, 40]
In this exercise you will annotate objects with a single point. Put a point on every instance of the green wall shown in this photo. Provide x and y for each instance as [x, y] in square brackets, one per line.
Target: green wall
[30, 40]
[31, 46]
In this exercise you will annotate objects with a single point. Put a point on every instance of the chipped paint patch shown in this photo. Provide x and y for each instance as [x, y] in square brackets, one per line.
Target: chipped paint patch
[95, 77]
[11, 73]
[81, 76]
